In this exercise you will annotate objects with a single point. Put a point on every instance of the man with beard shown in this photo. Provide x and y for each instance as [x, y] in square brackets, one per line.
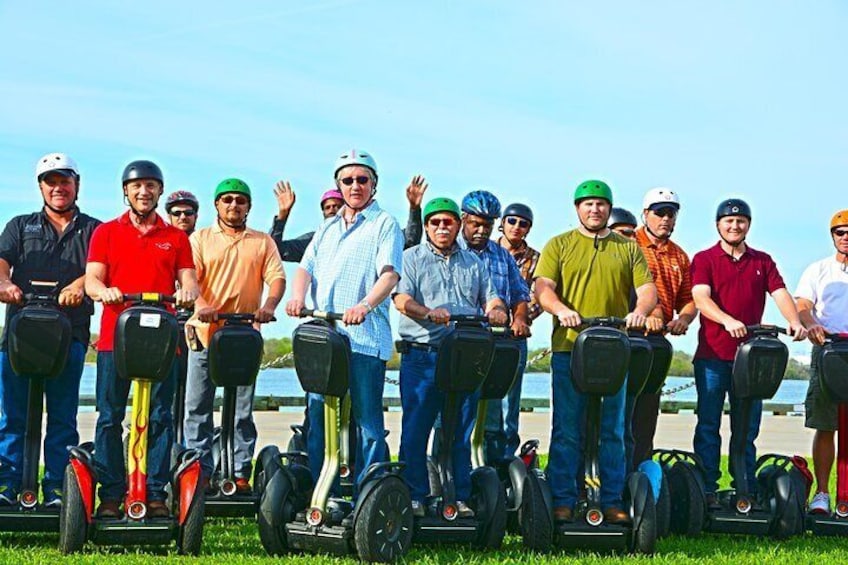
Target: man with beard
[48, 245]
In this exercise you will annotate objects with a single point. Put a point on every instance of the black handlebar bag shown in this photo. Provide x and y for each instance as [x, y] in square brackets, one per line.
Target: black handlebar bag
[145, 343]
[39, 341]
[759, 367]
[641, 360]
[464, 359]
[600, 361]
[321, 358]
[833, 370]
[503, 371]
[235, 354]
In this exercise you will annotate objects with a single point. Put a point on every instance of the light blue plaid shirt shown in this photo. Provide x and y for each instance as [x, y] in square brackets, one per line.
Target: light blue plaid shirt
[503, 270]
[345, 263]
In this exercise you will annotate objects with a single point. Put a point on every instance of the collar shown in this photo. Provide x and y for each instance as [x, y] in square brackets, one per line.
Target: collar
[515, 250]
[366, 213]
[125, 219]
[644, 240]
[464, 245]
[454, 248]
[216, 228]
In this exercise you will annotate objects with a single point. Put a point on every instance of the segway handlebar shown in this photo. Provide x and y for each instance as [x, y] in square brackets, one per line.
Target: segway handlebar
[43, 291]
[310, 313]
[150, 297]
[604, 321]
[244, 317]
[469, 318]
[765, 329]
[832, 338]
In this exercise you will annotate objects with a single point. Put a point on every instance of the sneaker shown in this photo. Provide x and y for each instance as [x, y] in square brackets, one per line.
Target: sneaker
[8, 495]
[463, 510]
[418, 509]
[820, 503]
[243, 486]
[53, 498]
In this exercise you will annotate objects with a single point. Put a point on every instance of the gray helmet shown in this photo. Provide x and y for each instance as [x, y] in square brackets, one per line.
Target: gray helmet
[142, 170]
[519, 210]
[621, 216]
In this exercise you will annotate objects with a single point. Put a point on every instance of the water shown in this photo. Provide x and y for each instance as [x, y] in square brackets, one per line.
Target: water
[283, 382]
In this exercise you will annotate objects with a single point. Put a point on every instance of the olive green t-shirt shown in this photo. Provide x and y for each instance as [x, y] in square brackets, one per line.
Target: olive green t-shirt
[591, 281]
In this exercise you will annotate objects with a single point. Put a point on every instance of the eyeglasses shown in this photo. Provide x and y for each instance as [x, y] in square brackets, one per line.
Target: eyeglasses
[665, 212]
[522, 223]
[436, 222]
[839, 233]
[627, 232]
[348, 181]
[186, 213]
[229, 199]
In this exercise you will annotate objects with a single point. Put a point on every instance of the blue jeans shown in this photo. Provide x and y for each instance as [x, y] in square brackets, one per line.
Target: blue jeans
[422, 401]
[569, 412]
[112, 393]
[62, 393]
[713, 383]
[367, 379]
[502, 415]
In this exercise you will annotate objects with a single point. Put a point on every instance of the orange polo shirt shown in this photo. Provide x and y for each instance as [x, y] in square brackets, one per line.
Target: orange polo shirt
[231, 270]
[669, 265]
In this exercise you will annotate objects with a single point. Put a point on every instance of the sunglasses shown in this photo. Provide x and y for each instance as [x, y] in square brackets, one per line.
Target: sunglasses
[229, 199]
[627, 233]
[839, 233]
[186, 213]
[667, 212]
[348, 181]
[436, 222]
[522, 223]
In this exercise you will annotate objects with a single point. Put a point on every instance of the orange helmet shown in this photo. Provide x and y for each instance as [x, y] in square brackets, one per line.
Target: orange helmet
[839, 219]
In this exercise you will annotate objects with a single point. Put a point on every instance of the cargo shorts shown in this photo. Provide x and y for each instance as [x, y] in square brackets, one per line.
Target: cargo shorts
[821, 412]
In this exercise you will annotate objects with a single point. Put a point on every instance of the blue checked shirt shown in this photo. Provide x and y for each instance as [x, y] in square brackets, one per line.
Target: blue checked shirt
[504, 272]
[345, 263]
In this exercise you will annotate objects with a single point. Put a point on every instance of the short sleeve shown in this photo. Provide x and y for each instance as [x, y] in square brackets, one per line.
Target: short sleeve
[548, 265]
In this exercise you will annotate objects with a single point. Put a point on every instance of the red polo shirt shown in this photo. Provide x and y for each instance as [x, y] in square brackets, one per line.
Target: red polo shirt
[739, 288]
[137, 262]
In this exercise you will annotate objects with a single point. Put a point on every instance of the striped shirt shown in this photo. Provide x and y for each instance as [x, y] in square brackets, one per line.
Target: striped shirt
[526, 258]
[669, 266]
[503, 271]
[345, 262]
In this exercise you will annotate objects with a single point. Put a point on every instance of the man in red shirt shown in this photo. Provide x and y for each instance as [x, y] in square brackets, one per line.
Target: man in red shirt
[136, 252]
[730, 282]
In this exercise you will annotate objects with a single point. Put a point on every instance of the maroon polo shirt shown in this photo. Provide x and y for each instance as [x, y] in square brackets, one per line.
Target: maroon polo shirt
[739, 287]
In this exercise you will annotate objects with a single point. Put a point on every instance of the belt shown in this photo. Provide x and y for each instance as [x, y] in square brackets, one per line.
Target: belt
[407, 345]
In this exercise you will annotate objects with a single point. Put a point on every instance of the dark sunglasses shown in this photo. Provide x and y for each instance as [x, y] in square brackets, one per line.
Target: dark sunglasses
[347, 181]
[627, 232]
[666, 212]
[229, 199]
[522, 223]
[186, 213]
[436, 222]
[839, 233]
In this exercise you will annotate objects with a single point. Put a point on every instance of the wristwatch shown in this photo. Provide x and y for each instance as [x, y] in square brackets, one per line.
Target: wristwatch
[366, 305]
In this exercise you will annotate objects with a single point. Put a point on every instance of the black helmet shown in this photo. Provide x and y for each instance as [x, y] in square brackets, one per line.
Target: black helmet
[142, 170]
[520, 210]
[621, 216]
[733, 207]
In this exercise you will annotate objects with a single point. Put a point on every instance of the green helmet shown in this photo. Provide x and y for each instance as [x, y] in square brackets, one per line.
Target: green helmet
[441, 205]
[232, 185]
[593, 189]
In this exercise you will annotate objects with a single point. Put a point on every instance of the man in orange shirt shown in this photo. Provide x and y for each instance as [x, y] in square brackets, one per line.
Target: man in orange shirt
[669, 266]
[233, 262]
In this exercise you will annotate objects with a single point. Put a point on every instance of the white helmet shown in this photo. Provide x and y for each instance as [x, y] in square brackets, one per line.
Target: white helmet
[355, 157]
[56, 162]
[660, 196]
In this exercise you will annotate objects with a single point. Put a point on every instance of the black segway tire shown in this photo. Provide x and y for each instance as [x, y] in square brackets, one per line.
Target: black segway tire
[190, 533]
[383, 529]
[664, 509]
[534, 518]
[268, 461]
[490, 508]
[645, 532]
[687, 512]
[72, 519]
[276, 509]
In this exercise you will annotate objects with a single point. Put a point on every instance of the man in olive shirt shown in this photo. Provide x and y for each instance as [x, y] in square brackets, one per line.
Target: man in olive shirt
[589, 271]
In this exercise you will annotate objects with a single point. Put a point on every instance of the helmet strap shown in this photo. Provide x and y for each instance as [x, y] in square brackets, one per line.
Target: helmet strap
[238, 227]
[655, 236]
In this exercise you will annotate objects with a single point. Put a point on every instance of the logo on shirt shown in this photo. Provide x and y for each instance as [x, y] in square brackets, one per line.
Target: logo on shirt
[164, 246]
[758, 272]
[32, 228]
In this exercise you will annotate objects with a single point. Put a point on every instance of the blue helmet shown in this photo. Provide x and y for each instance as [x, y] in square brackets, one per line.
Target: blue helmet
[482, 203]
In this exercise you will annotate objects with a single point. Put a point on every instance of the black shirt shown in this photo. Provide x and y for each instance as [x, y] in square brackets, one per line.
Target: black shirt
[30, 244]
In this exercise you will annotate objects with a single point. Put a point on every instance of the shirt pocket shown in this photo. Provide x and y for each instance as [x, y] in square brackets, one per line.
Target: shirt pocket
[499, 272]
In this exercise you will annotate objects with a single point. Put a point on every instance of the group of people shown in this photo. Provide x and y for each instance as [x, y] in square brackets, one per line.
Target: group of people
[357, 262]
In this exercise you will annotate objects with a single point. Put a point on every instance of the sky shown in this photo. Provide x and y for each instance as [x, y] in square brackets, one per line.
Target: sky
[524, 99]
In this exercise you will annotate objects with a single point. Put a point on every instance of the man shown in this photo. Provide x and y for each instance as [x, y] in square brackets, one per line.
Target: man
[233, 264]
[622, 222]
[823, 309]
[136, 252]
[502, 416]
[730, 282]
[480, 209]
[351, 265]
[440, 279]
[588, 271]
[669, 267]
[182, 207]
[48, 245]
[331, 201]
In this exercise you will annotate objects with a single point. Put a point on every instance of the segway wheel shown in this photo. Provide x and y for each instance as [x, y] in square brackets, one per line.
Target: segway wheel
[383, 529]
[645, 532]
[72, 519]
[190, 533]
[276, 509]
[268, 461]
[491, 508]
[687, 509]
[534, 517]
[663, 509]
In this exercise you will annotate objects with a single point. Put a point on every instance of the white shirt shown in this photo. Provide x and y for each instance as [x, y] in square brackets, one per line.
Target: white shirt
[825, 284]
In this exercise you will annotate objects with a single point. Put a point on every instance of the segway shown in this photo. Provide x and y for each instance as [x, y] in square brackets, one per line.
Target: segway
[235, 355]
[39, 342]
[600, 361]
[463, 365]
[379, 526]
[778, 508]
[146, 337]
[833, 364]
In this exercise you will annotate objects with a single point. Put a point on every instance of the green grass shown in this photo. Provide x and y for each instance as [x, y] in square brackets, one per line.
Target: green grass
[234, 542]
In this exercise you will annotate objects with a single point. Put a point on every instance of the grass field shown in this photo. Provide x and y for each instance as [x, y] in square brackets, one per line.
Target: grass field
[237, 542]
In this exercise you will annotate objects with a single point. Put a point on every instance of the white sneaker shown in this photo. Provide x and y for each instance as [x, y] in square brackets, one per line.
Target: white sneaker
[820, 503]
[417, 509]
[463, 510]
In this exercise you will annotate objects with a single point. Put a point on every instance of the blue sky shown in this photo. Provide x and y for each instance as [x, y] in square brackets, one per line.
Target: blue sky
[526, 100]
